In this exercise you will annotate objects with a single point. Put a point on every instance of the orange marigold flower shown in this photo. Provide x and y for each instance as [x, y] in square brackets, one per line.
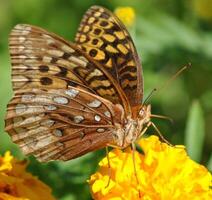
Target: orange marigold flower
[17, 184]
[164, 173]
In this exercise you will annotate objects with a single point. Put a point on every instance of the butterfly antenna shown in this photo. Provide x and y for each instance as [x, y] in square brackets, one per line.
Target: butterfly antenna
[166, 83]
[149, 96]
[174, 76]
[161, 135]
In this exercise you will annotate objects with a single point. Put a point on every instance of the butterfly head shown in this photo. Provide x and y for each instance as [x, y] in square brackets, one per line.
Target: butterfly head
[144, 113]
[144, 116]
[132, 130]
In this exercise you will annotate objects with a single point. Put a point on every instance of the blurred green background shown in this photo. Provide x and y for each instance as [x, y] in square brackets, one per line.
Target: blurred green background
[168, 35]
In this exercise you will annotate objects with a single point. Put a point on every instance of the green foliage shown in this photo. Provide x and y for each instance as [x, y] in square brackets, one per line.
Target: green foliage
[169, 34]
[210, 163]
[195, 131]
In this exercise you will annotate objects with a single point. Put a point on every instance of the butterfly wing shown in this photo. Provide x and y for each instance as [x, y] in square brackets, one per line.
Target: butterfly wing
[57, 111]
[44, 60]
[103, 36]
[60, 124]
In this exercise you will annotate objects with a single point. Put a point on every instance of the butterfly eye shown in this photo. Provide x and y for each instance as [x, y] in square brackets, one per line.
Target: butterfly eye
[141, 112]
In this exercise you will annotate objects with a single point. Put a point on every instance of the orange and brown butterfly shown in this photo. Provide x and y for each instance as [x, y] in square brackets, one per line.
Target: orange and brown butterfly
[73, 98]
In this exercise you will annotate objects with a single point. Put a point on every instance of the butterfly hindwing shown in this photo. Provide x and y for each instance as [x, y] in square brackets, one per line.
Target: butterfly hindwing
[103, 36]
[60, 124]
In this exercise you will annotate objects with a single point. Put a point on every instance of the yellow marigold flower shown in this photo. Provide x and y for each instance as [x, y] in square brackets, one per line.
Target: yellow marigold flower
[164, 173]
[126, 15]
[17, 184]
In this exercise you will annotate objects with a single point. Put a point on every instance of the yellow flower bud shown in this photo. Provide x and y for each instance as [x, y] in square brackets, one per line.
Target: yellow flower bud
[126, 15]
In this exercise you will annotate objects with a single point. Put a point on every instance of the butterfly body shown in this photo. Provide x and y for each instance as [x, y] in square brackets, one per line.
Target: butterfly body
[131, 129]
[73, 98]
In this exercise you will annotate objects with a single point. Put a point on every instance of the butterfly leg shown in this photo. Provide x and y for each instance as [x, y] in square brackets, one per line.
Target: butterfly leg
[135, 171]
[145, 129]
[162, 117]
[109, 167]
[160, 134]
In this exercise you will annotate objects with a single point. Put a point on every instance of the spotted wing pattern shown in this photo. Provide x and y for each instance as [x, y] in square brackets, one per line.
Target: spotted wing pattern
[57, 111]
[60, 124]
[44, 60]
[106, 40]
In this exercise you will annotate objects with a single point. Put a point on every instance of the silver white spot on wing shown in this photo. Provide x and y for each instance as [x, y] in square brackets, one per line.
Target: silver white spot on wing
[27, 97]
[94, 104]
[72, 92]
[58, 132]
[48, 122]
[20, 108]
[97, 118]
[60, 100]
[78, 119]
[50, 107]
[107, 114]
[43, 142]
[28, 120]
[100, 130]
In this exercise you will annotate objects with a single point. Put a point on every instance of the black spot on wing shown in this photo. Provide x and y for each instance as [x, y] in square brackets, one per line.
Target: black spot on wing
[43, 68]
[63, 72]
[46, 81]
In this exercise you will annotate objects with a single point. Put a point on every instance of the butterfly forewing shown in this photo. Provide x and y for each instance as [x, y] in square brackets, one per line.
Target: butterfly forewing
[44, 60]
[106, 40]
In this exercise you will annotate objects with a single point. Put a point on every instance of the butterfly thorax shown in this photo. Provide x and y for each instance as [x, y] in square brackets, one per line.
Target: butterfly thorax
[131, 130]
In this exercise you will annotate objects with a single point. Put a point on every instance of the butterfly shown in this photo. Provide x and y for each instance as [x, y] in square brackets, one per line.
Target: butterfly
[74, 98]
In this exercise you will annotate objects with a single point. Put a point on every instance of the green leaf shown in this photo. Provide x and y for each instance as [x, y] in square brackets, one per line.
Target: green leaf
[209, 165]
[69, 197]
[194, 136]
[206, 100]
